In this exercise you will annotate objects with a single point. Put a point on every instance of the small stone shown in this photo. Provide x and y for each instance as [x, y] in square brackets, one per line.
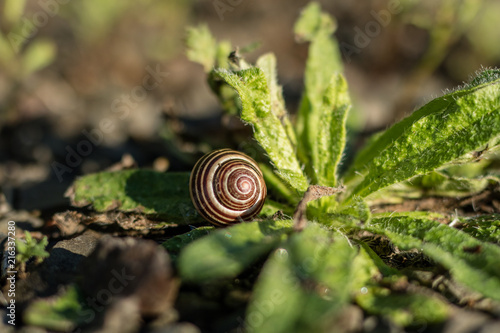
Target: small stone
[59, 269]
[130, 268]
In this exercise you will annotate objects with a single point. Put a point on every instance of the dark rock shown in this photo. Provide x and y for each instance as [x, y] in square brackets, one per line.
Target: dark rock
[66, 256]
[121, 316]
[129, 268]
[59, 269]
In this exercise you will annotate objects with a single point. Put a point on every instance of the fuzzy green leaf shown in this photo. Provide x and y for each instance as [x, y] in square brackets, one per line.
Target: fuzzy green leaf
[201, 46]
[409, 308]
[339, 216]
[369, 266]
[271, 207]
[440, 132]
[252, 87]
[323, 111]
[313, 22]
[485, 227]
[267, 63]
[438, 184]
[175, 244]
[403, 309]
[426, 215]
[205, 50]
[304, 284]
[357, 211]
[225, 253]
[31, 248]
[61, 313]
[435, 183]
[165, 195]
[330, 135]
[276, 186]
[470, 261]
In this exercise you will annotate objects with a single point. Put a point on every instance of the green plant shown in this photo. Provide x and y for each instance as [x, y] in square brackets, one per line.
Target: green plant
[31, 248]
[310, 276]
[21, 54]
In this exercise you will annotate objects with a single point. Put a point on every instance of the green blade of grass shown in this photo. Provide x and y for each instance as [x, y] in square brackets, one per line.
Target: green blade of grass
[252, 87]
[444, 130]
[225, 253]
[470, 261]
[304, 285]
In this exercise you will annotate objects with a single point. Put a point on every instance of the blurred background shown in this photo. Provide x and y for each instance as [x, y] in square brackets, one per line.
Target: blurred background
[84, 83]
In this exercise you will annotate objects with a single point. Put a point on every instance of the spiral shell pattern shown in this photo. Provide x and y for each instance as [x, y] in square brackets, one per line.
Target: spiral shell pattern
[227, 187]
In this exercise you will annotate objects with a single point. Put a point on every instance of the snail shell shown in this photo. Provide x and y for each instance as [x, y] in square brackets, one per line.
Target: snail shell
[227, 187]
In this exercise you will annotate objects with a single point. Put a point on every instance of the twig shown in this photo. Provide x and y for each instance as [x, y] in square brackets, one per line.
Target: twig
[313, 192]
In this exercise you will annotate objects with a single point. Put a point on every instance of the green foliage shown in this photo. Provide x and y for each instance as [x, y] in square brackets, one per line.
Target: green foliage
[38, 55]
[448, 130]
[201, 47]
[93, 19]
[267, 63]
[304, 284]
[440, 132]
[21, 52]
[227, 252]
[60, 313]
[436, 183]
[13, 10]
[175, 244]
[309, 277]
[325, 102]
[485, 228]
[251, 85]
[469, 260]
[31, 248]
[401, 308]
[162, 195]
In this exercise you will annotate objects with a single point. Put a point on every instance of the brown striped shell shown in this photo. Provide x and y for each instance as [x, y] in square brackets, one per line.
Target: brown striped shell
[227, 187]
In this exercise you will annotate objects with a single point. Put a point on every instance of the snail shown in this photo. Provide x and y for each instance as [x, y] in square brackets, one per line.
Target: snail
[227, 187]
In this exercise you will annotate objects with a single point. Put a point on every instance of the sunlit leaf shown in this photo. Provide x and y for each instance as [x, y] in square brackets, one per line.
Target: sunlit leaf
[445, 129]
[469, 260]
[304, 285]
[225, 253]
[165, 195]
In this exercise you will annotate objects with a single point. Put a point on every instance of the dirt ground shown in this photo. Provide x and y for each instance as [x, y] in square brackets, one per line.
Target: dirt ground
[90, 92]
